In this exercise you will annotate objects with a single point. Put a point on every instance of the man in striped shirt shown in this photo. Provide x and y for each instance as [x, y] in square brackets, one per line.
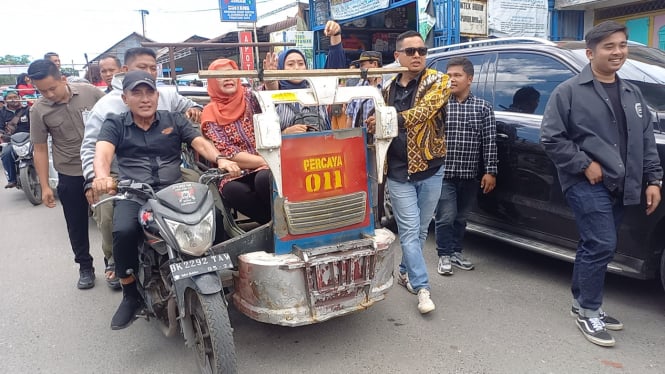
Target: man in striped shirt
[470, 132]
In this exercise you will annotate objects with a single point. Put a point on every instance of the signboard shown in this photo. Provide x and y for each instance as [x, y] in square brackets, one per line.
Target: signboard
[343, 9]
[518, 18]
[237, 10]
[304, 42]
[473, 17]
[566, 3]
[246, 53]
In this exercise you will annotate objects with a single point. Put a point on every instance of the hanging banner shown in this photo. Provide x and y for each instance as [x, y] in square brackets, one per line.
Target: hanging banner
[304, 42]
[566, 3]
[246, 53]
[237, 10]
[518, 18]
[343, 9]
[426, 21]
[473, 17]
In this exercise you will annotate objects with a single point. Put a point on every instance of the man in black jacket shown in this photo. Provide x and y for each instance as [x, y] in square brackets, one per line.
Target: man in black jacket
[14, 118]
[598, 131]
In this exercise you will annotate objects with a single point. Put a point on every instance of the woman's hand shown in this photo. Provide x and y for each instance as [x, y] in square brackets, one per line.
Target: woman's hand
[230, 166]
[270, 61]
[295, 129]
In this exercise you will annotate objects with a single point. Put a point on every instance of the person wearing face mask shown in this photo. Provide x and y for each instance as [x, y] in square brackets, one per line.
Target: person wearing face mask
[135, 59]
[14, 118]
[294, 59]
[228, 122]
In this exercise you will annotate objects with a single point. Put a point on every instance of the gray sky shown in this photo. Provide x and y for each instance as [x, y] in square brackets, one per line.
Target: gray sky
[74, 27]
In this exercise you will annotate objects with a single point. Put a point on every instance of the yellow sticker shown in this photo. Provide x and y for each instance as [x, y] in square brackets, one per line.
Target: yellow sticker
[284, 96]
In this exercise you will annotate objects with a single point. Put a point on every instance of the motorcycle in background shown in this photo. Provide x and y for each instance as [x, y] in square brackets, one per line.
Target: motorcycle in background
[178, 275]
[26, 173]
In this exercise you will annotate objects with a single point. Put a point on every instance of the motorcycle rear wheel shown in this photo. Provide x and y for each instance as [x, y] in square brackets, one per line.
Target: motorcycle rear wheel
[30, 184]
[214, 347]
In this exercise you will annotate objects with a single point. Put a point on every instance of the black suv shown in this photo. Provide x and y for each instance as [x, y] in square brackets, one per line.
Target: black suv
[527, 208]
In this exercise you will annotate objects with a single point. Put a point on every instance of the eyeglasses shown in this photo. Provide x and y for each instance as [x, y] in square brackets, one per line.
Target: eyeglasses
[422, 51]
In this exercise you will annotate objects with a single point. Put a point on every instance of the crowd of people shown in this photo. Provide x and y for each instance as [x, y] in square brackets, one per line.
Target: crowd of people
[444, 153]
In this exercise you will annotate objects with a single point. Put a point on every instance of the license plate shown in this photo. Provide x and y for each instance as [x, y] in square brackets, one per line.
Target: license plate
[201, 265]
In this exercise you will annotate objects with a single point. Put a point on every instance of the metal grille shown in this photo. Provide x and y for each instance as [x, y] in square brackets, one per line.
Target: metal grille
[352, 271]
[624, 10]
[325, 214]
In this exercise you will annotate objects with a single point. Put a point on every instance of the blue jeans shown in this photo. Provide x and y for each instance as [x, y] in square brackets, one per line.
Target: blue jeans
[413, 206]
[8, 162]
[598, 216]
[457, 199]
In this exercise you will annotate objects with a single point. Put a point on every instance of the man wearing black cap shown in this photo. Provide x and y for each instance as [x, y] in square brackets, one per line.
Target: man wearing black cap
[358, 110]
[140, 139]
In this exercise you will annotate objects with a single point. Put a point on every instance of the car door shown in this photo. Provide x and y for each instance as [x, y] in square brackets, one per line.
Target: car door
[527, 195]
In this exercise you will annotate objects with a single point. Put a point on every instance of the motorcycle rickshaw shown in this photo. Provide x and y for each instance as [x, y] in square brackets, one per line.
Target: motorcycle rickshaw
[322, 255]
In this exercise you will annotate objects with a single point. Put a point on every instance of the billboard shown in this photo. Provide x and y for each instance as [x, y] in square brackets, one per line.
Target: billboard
[237, 10]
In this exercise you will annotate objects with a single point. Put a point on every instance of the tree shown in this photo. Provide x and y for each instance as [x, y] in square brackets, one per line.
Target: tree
[15, 60]
[68, 72]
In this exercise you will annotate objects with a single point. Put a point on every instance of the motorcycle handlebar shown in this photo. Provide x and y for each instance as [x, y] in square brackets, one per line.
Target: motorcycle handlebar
[127, 188]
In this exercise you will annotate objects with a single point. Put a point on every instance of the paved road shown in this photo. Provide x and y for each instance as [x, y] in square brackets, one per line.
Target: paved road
[510, 315]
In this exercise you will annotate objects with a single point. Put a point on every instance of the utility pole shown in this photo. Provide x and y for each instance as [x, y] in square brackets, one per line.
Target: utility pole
[143, 14]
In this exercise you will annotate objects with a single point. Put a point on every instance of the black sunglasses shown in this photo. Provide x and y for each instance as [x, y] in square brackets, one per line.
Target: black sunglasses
[422, 51]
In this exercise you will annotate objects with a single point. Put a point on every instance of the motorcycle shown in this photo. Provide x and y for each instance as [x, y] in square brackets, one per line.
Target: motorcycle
[179, 277]
[27, 179]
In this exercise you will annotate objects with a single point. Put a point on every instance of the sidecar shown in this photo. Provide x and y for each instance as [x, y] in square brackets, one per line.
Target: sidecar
[321, 256]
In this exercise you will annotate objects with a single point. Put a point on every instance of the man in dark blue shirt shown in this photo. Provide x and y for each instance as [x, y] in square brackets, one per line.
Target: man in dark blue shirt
[147, 144]
[598, 132]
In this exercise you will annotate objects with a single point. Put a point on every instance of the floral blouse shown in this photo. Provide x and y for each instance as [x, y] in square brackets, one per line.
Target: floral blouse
[237, 136]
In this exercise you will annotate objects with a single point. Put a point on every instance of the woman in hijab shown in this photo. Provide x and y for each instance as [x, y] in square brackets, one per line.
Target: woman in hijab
[228, 122]
[294, 59]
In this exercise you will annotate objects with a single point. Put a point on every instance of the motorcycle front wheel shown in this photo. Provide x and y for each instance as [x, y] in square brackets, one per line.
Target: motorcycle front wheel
[214, 348]
[30, 184]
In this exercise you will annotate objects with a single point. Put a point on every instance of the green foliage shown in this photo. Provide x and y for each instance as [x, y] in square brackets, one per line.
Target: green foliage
[15, 60]
[69, 72]
[7, 80]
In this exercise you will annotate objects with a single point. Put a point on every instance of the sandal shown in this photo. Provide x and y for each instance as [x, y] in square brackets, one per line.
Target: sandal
[111, 280]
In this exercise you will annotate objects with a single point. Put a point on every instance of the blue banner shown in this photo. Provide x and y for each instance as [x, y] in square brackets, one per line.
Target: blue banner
[237, 10]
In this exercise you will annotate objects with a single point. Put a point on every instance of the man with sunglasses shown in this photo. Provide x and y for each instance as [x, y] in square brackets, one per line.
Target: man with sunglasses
[415, 157]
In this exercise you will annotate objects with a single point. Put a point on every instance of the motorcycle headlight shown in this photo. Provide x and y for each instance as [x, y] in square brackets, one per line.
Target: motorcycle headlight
[22, 150]
[193, 239]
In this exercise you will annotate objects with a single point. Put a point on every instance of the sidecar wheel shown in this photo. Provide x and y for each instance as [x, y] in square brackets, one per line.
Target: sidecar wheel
[30, 184]
[214, 347]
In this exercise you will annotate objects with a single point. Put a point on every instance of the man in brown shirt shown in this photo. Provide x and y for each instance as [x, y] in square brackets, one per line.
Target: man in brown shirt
[61, 113]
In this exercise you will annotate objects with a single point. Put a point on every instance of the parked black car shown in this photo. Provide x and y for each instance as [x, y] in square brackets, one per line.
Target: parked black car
[527, 208]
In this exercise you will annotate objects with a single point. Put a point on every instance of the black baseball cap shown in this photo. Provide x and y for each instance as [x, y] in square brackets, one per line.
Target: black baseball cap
[136, 78]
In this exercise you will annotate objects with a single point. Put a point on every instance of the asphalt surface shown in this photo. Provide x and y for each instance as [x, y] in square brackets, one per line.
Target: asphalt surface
[509, 315]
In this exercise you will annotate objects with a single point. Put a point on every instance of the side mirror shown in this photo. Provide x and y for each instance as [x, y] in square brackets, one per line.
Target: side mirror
[386, 122]
[267, 131]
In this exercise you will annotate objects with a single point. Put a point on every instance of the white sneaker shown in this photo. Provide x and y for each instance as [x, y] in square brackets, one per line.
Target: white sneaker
[425, 304]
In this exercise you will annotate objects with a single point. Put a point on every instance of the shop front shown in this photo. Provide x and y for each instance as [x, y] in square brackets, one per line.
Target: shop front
[645, 19]
[367, 25]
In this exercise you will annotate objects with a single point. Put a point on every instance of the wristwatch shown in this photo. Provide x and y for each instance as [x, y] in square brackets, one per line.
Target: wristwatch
[220, 157]
[656, 182]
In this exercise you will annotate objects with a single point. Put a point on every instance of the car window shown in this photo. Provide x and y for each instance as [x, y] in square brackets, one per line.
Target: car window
[525, 81]
[480, 62]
